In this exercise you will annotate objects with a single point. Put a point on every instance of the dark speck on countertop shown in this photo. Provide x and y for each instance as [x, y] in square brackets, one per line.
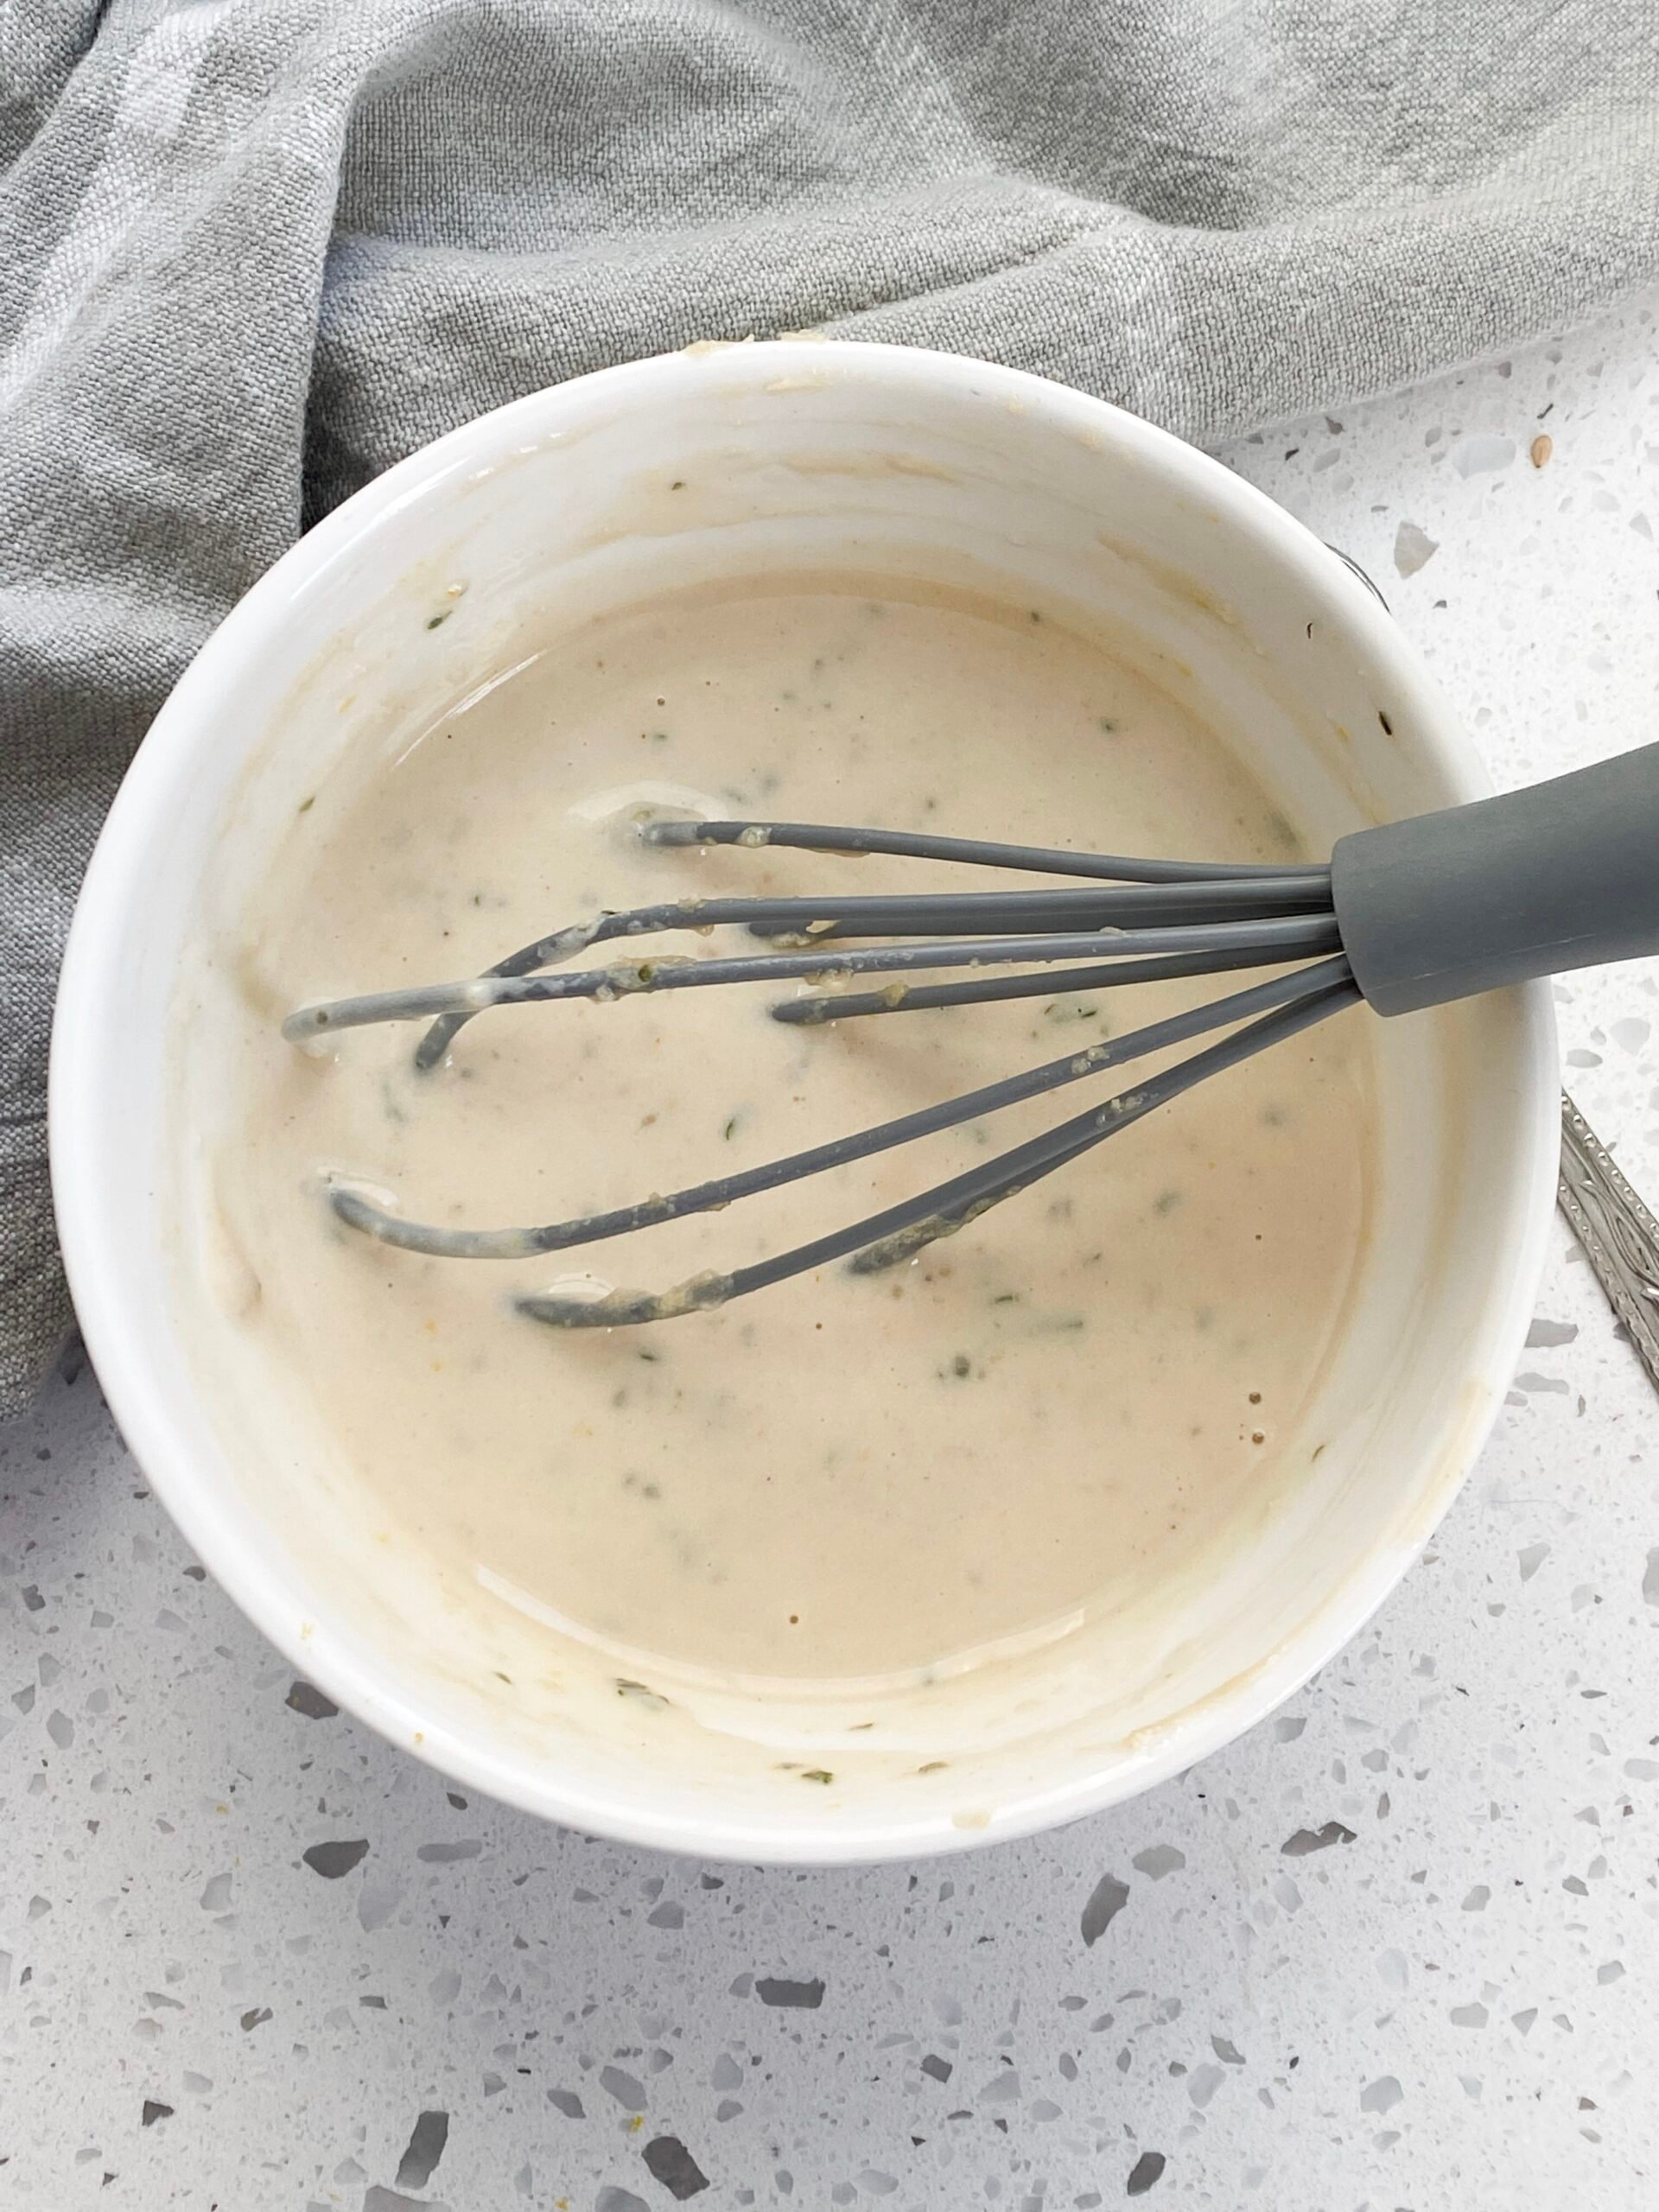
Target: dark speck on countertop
[806, 1994]
[431, 2132]
[1147, 2169]
[1106, 1900]
[1308, 1840]
[671, 2162]
[331, 1860]
[311, 1702]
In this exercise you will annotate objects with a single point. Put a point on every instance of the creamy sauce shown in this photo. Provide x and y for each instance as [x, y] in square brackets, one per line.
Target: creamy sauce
[879, 1476]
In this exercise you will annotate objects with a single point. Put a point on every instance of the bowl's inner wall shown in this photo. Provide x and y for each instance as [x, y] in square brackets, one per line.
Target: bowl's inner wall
[817, 469]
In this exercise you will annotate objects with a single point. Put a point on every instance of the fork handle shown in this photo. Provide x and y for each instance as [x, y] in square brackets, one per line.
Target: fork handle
[1619, 1236]
[1563, 874]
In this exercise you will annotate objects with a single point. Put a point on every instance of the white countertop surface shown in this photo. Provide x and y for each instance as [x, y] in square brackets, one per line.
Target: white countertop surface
[1458, 2007]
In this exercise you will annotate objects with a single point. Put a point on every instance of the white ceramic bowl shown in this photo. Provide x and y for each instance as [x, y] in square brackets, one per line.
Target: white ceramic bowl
[803, 456]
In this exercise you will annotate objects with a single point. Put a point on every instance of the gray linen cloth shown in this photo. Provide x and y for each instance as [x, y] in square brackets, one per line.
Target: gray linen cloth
[252, 250]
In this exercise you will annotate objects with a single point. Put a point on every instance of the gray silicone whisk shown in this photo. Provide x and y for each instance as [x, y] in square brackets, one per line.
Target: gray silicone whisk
[1409, 915]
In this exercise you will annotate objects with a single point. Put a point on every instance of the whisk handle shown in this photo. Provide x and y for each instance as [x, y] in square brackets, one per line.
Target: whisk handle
[1563, 874]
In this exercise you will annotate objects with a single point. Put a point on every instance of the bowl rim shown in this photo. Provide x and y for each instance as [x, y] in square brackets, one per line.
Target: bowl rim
[266, 1592]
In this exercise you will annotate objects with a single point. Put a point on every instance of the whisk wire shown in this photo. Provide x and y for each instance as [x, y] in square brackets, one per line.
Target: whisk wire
[1289, 938]
[820, 1007]
[849, 841]
[850, 844]
[359, 1211]
[900, 1232]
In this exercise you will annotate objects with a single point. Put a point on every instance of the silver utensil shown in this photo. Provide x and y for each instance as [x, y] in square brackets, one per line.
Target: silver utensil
[1618, 1236]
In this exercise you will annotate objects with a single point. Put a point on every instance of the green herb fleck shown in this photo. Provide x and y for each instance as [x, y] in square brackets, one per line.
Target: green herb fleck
[818, 1774]
[641, 1694]
[962, 1365]
[1167, 1201]
[433, 621]
[1005, 1298]
[1108, 725]
[731, 1128]
[651, 1358]
[306, 804]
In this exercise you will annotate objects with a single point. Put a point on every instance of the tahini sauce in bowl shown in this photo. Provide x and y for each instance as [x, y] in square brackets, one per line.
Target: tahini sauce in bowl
[866, 1482]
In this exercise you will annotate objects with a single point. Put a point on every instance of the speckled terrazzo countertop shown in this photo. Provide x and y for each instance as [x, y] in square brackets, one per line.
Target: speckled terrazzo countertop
[1396, 1950]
